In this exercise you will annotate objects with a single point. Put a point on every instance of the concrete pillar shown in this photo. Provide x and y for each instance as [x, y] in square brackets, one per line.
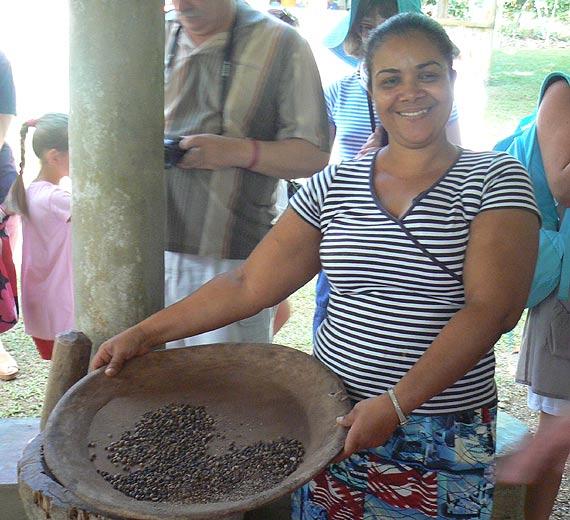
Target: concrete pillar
[116, 129]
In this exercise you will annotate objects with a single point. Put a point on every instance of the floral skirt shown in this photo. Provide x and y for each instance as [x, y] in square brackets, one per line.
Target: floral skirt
[434, 467]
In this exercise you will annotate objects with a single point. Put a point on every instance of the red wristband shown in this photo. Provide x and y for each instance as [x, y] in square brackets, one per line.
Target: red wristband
[255, 156]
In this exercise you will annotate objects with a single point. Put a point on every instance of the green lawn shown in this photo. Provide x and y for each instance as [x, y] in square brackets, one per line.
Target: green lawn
[514, 83]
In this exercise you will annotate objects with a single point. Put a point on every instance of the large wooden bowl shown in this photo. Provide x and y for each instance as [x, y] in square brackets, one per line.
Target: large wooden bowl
[257, 392]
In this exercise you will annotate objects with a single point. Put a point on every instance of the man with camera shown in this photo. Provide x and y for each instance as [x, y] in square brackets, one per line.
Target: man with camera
[243, 92]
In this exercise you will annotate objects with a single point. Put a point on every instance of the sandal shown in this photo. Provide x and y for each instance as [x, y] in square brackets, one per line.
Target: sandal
[8, 367]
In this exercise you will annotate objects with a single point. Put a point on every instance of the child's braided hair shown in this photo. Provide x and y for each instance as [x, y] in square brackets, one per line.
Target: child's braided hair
[51, 133]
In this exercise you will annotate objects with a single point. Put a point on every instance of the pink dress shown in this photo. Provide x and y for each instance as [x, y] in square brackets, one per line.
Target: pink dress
[47, 279]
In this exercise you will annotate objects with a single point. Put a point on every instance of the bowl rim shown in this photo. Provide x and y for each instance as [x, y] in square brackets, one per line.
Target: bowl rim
[67, 466]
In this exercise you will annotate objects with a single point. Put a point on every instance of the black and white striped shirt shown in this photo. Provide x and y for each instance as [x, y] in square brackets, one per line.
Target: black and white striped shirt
[395, 283]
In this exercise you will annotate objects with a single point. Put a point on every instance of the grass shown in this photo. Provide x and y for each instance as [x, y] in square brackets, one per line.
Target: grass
[516, 75]
[298, 331]
[514, 84]
[23, 396]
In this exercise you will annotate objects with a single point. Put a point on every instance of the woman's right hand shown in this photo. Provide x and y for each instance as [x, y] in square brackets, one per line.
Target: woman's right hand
[373, 143]
[120, 348]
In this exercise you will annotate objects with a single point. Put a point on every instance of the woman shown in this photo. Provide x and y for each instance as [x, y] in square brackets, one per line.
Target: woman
[430, 251]
[354, 124]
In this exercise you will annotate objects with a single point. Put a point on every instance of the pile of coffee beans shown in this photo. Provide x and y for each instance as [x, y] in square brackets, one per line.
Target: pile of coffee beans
[164, 459]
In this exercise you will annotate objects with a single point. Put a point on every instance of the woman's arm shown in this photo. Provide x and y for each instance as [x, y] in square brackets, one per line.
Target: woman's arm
[553, 129]
[286, 259]
[498, 271]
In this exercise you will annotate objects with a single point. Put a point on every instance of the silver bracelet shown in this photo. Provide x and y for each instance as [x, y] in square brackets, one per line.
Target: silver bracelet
[403, 419]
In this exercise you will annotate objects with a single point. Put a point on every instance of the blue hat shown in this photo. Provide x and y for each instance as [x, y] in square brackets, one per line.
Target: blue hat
[336, 37]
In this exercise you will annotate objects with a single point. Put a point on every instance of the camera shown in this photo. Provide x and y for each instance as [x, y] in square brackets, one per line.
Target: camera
[172, 151]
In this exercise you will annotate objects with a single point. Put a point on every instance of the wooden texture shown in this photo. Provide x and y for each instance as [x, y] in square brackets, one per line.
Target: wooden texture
[42, 496]
[70, 362]
[256, 392]
[46, 499]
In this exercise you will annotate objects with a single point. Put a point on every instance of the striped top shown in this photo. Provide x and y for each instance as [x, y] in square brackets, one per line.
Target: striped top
[275, 93]
[347, 109]
[395, 283]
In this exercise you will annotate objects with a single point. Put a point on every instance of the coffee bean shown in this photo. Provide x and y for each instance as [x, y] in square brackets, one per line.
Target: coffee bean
[169, 448]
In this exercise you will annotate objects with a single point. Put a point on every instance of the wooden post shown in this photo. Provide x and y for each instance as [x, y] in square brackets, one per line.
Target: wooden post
[116, 156]
[70, 362]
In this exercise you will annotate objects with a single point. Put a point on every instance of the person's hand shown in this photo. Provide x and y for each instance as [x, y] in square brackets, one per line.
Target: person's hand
[538, 454]
[371, 423]
[212, 152]
[116, 351]
[372, 144]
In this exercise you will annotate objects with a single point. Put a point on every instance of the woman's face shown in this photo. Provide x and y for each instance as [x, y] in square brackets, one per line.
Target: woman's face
[412, 88]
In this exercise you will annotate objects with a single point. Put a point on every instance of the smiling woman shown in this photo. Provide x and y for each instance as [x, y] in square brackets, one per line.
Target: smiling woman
[422, 189]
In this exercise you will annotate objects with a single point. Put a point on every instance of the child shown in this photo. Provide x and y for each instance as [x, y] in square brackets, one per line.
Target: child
[46, 277]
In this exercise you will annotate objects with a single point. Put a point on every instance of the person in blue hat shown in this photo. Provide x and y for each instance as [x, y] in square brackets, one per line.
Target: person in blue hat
[354, 123]
[347, 28]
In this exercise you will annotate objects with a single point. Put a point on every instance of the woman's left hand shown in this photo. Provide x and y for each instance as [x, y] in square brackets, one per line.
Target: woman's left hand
[371, 423]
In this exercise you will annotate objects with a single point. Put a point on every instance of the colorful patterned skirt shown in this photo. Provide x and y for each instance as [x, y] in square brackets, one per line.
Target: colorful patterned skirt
[434, 467]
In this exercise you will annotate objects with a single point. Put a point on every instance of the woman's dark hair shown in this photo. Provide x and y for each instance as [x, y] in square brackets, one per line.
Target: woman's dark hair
[404, 24]
[50, 134]
[353, 44]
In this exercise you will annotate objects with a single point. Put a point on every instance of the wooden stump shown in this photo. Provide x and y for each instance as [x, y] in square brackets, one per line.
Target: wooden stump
[70, 362]
[45, 499]
[509, 502]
